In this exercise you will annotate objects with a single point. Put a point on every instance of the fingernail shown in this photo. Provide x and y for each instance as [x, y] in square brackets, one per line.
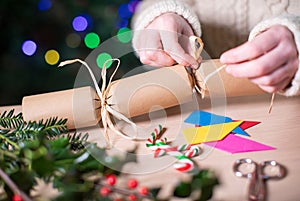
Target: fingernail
[223, 59]
[228, 70]
[195, 66]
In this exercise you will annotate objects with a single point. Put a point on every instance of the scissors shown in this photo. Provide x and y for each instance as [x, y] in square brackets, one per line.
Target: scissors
[258, 175]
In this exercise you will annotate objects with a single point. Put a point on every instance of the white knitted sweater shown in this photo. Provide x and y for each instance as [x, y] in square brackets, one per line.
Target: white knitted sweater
[224, 24]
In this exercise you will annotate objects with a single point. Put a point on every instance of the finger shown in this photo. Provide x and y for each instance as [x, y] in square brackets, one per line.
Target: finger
[276, 88]
[173, 48]
[261, 44]
[185, 41]
[150, 50]
[286, 71]
[157, 58]
[260, 66]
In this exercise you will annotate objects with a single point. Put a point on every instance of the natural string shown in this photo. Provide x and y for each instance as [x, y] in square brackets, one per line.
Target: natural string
[272, 102]
[223, 67]
[106, 109]
[197, 47]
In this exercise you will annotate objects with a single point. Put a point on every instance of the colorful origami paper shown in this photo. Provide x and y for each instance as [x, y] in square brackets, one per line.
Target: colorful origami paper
[218, 131]
[236, 144]
[203, 118]
[247, 124]
[209, 133]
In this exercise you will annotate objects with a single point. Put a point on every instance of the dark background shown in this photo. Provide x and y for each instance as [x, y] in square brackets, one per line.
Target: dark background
[48, 23]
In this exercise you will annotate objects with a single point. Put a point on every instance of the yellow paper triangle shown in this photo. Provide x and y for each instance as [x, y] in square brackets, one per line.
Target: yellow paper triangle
[209, 133]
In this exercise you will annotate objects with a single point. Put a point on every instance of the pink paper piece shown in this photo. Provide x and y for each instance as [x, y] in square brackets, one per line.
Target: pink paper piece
[235, 144]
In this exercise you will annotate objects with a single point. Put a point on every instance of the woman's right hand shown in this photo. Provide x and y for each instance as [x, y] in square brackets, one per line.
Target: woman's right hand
[165, 42]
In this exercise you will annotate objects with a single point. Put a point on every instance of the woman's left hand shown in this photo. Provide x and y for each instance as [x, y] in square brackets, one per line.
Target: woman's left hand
[270, 60]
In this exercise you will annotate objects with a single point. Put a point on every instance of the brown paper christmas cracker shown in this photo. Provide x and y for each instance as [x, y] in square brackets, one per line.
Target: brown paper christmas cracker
[79, 106]
[135, 95]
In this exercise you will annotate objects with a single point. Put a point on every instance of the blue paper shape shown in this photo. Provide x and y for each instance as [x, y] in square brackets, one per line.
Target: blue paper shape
[202, 118]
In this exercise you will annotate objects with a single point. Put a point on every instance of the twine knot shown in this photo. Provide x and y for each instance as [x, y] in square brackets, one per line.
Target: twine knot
[106, 110]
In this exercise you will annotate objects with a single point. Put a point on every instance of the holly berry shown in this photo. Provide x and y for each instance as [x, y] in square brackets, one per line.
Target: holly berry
[111, 179]
[143, 190]
[17, 197]
[105, 191]
[132, 197]
[132, 183]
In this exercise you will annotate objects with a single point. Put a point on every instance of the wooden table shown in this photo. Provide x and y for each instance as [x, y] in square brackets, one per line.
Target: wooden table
[279, 129]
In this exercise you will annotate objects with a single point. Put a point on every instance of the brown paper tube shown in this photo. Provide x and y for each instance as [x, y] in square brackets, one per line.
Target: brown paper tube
[135, 95]
[222, 83]
[161, 88]
[79, 106]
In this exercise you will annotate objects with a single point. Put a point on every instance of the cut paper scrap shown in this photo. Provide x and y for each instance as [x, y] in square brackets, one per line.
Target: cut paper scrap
[209, 133]
[202, 118]
[248, 124]
[236, 144]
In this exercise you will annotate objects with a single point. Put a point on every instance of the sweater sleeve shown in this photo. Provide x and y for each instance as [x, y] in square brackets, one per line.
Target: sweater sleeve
[147, 11]
[292, 22]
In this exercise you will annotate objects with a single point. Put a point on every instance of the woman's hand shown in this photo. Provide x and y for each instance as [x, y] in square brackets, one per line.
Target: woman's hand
[165, 42]
[270, 60]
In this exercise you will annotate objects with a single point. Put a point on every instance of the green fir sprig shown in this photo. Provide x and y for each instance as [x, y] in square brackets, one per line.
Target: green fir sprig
[44, 161]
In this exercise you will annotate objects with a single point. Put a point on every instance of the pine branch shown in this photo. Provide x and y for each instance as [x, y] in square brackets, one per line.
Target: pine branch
[9, 120]
[13, 186]
[77, 141]
[52, 127]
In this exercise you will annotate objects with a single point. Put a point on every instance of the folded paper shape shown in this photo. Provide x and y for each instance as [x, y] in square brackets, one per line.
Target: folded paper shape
[247, 124]
[202, 118]
[236, 144]
[209, 133]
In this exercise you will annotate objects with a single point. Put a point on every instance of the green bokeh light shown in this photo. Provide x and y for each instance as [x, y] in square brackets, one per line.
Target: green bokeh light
[124, 35]
[102, 58]
[92, 40]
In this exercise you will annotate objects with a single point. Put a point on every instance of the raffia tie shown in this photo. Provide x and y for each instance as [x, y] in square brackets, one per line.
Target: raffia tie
[106, 110]
[223, 67]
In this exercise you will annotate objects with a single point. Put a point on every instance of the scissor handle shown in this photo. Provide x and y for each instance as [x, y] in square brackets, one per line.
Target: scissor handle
[257, 188]
[239, 163]
[280, 173]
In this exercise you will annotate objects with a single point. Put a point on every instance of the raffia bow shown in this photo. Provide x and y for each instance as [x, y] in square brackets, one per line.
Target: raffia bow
[106, 110]
[197, 47]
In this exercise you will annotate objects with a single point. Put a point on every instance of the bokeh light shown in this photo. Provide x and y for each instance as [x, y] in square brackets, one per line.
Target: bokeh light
[80, 23]
[73, 40]
[124, 35]
[92, 40]
[44, 4]
[124, 11]
[122, 23]
[102, 58]
[52, 57]
[29, 47]
[132, 5]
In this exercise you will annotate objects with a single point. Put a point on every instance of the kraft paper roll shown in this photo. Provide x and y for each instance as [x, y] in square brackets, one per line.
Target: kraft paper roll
[223, 83]
[79, 106]
[135, 95]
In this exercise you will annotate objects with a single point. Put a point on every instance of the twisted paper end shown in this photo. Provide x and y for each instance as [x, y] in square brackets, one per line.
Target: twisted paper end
[106, 110]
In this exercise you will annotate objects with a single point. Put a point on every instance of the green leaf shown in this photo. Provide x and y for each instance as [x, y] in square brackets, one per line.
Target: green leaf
[183, 189]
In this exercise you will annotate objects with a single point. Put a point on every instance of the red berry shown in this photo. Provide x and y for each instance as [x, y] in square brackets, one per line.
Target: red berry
[111, 179]
[132, 183]
[17, 197]
[118, 199]
[132, 197]
[104, 191]
[143, 190]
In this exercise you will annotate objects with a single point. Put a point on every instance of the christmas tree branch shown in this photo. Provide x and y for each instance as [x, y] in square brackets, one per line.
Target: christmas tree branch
[13, 186]
[9, 141]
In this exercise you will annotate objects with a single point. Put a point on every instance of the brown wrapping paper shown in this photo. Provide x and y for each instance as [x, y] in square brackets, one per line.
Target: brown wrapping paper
[223, 81]
[79, 106]
[135, 95]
